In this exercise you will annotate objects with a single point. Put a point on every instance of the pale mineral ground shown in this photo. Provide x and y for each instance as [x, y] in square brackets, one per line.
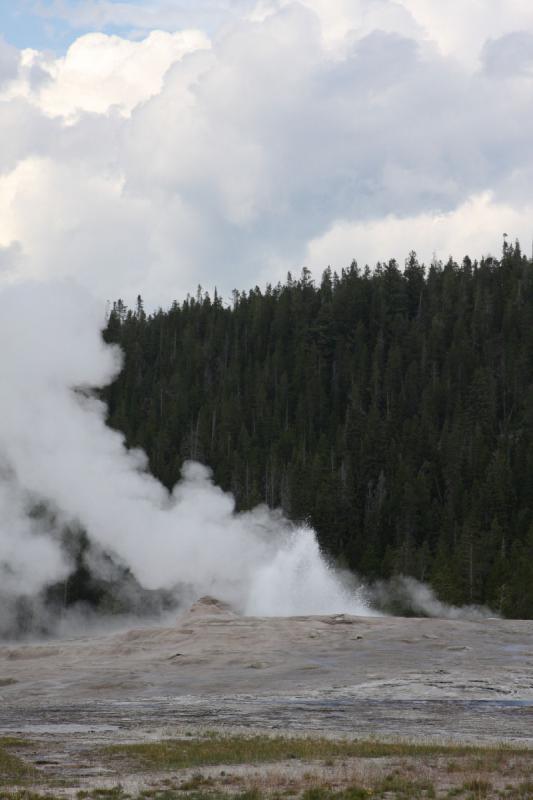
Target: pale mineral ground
[340, 676]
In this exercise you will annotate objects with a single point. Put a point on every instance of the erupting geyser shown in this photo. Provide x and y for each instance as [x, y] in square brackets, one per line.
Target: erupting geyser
[57, 452]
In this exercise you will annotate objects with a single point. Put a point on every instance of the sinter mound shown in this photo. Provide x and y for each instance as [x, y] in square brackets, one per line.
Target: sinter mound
[208, 606]
[361, 676]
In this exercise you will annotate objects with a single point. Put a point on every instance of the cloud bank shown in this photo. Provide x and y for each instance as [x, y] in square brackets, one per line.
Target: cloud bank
[285, 134]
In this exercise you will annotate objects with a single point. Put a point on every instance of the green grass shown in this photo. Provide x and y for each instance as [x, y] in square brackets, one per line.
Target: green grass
[391, 788]
[353, 793]
[26, 794]
[478, 787]
[400, 787]
[14, 741]
[12, 768]
[117, 793]
[417, 768]
[212, 751]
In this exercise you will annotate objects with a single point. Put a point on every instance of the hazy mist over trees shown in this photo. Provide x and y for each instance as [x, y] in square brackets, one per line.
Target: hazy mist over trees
[391, 408]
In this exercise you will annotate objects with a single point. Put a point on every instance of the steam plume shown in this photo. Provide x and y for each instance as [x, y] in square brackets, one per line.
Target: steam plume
[403, 594]
[56, 450]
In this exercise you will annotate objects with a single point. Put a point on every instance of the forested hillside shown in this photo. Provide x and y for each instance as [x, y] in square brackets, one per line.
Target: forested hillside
[391, 408]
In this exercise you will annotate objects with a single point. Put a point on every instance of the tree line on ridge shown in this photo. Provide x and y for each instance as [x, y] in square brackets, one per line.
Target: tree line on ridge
[391, 408]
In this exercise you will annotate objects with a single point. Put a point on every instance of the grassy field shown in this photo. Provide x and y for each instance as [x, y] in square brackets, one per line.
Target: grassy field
[390, 789]
[211, 751]
[13, 769]
[218, 767]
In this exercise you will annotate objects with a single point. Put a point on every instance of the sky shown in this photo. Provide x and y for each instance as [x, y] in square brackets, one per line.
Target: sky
[148, 147]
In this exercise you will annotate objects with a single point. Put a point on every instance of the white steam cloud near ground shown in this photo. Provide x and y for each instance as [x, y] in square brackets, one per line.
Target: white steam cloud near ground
[56, 450]
[57, 453]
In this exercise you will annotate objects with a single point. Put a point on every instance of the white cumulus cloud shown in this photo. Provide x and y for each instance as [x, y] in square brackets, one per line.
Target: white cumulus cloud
[100, 72]
[155, 164]
[475, 227]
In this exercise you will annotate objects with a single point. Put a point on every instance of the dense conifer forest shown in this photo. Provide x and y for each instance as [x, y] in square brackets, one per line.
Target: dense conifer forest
[391, 408]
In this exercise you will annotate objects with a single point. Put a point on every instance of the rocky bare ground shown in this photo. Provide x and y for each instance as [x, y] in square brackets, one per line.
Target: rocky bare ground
[417, 679]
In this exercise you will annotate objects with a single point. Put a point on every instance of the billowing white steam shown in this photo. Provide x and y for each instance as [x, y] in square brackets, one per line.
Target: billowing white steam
[56, 448]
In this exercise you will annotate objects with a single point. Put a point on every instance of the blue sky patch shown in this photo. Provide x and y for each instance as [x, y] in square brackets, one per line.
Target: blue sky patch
[55, 24]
